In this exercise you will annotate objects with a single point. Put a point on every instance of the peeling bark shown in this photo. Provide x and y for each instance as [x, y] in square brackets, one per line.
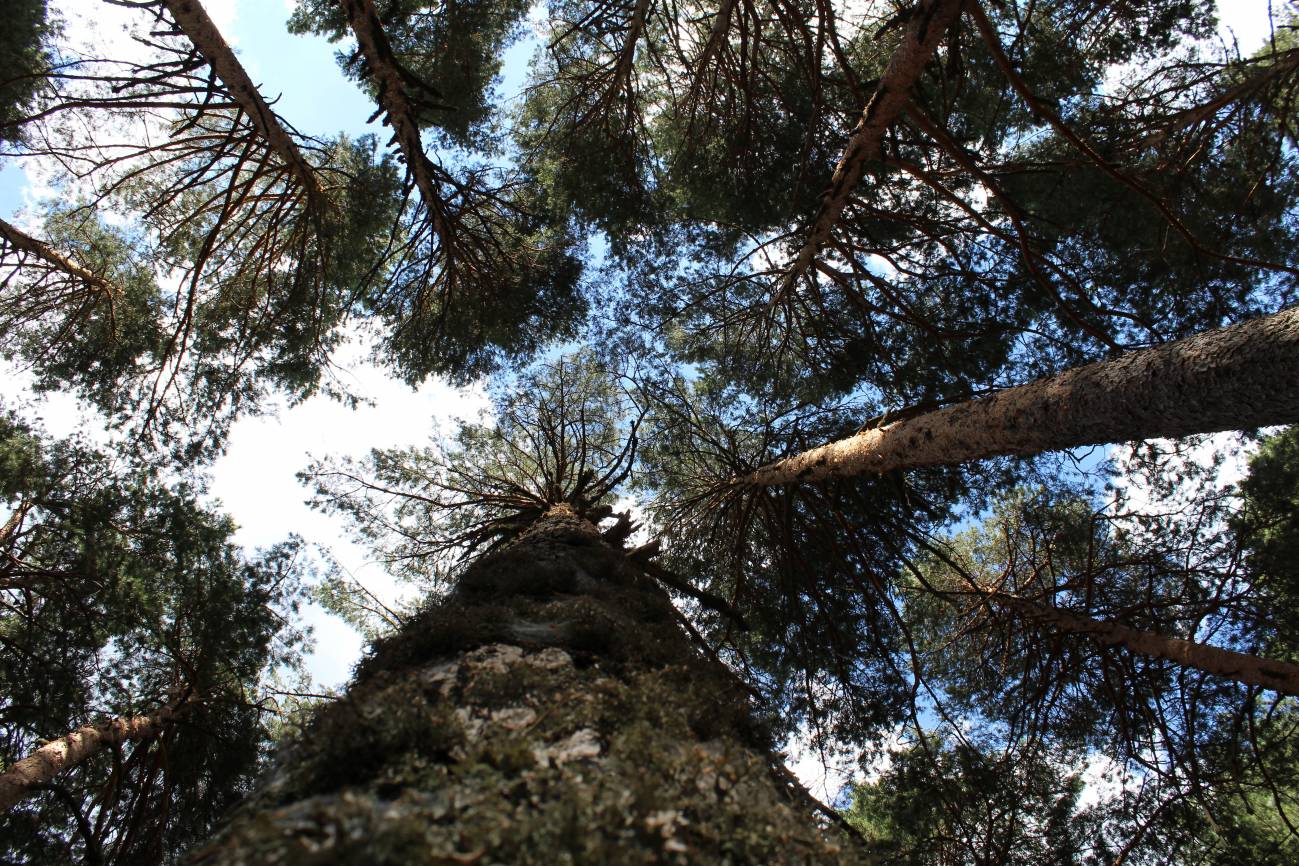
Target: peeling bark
[928, 25]
[1244, 668]
[24, 242]
[1237, 378]
[549, 710]
[41, 766]
[202, 32]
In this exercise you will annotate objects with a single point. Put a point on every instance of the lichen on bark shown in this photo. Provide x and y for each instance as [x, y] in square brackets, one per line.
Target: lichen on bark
[549, 710]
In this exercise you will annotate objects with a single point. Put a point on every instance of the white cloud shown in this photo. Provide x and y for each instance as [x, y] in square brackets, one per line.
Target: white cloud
[257, 485]
[1248, 22]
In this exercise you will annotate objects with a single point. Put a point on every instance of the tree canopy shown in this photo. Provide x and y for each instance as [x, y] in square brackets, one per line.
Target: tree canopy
[702, 248]
[120, 593]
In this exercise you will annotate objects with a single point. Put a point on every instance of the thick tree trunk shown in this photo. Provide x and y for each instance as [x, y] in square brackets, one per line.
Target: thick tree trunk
[202, 32]
[550, 710]
[25, 243]
[928, 25]
[42, 765]
[1236, 378]
[1246, 669]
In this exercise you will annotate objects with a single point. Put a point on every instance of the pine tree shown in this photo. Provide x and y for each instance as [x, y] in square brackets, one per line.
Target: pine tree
[136, 641]
[552, 675]
[787, 217]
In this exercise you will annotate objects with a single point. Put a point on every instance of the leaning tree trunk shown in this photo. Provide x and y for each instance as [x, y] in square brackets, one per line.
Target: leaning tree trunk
[549, 710]
[1250, 670]
[1236, 378]
[42, 766]
[392, 97]
[203, 34]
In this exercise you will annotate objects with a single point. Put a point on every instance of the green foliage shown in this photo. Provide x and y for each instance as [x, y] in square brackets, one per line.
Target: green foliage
[812, 569]
[1268, 526]
[465, 319]
[950, 803]
[122, 593]
[24, 60]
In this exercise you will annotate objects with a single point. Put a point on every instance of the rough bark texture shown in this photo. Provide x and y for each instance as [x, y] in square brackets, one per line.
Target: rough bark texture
[1236, 378]
[24, 242]
[41, 766]
[549, 711]
[1247, 669]
[928, 24]
[193, 19]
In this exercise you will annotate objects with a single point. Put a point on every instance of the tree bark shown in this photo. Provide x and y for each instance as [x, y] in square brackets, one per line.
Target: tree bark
[24, 242]
[548, 710]
[1244, 668]
[929, 22]
[392, 98]
[1237, 378]
[202, 32]
[41, 766]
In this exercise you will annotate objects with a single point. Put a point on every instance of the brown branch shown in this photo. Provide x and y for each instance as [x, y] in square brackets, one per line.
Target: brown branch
[640, 558]
[930, 22]
[1250, 670]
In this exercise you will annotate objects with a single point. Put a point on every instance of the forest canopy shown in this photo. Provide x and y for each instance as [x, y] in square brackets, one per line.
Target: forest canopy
[935, 357]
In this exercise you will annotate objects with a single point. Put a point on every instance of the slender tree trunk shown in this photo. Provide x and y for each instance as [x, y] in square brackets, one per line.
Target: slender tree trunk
[928, 25]
[549, 710]
[23, 242]
[393, 99]
[1236, 378]
[203, 33]
[1247, 669]
[42, 765]
[716, 34]
[193, 19]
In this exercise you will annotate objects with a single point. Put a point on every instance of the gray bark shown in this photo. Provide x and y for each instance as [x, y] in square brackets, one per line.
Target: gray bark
[1237, 378]
[549, 710]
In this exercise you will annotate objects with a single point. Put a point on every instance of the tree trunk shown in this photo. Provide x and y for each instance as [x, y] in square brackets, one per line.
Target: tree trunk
[392, 98]
[202, 32]
[928, 25]
[25, 243]
[1247, 669]
[549, 710]
[1236, 378]
[42, 765]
